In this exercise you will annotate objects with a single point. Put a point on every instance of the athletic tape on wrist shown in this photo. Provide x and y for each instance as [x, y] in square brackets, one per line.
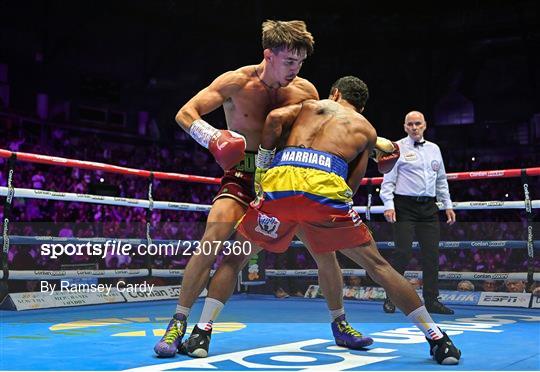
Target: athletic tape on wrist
[202, 132]
[264, 158]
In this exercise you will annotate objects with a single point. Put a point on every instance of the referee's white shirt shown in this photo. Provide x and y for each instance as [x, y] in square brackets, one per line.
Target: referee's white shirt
[419, 171]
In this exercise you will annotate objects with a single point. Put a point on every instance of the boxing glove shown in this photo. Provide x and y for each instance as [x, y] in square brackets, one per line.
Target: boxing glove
[385, 154]
[228, 148]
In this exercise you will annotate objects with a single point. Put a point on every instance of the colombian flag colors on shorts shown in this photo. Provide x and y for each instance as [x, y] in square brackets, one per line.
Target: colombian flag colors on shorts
[305, 194]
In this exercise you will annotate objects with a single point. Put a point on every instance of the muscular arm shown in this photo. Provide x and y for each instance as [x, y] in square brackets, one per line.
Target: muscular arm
[210, 98]
[276, 122]
[310, 91]
[357, 167]
[302, 91]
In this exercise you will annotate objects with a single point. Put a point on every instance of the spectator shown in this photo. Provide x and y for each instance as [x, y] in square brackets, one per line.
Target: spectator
[37, 180]
[516, 286]
[465, 286]
[535, 289]
[355, 281]
[489, 286]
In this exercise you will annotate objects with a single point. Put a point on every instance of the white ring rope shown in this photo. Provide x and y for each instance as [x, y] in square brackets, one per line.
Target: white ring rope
[105, 200]
[446, 275]
[175, 273]
[44, 274]
[448, 244]
[165, 205]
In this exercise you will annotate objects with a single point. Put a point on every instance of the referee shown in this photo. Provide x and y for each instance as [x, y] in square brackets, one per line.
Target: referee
[409, 192]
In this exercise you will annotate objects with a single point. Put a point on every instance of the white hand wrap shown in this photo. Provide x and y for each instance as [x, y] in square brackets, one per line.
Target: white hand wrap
[264, 158]
[202, 132]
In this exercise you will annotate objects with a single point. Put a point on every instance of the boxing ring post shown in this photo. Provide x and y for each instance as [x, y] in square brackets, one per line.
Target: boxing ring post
[148, 218]
[369, 203]
[530, 234]
[8, 206]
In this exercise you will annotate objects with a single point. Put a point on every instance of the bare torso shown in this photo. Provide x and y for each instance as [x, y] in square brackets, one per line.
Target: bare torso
[246, 109]
[328, 126]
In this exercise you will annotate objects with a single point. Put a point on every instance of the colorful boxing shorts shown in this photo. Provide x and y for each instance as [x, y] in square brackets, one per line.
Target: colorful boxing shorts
[305, 193]
[237, 182]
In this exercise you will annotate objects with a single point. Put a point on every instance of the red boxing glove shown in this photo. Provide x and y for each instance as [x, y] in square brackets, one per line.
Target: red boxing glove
[386, 161]
[228, 148]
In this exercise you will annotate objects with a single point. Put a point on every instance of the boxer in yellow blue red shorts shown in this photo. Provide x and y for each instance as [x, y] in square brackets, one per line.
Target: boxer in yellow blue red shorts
[308, 189]
[305, 191]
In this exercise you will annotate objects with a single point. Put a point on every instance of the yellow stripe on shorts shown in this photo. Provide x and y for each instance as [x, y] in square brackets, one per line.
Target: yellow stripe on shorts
[308, 180]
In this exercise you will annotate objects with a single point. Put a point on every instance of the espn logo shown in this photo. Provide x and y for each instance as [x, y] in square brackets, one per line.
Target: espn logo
[501, 298]
[505, 299]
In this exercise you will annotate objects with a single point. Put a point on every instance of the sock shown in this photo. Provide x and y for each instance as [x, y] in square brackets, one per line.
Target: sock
[210, 312]
[334, 314]
[421, 318]
[183, 310]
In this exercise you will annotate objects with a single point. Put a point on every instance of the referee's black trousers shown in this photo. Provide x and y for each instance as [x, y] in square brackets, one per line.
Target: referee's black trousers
[420, 217]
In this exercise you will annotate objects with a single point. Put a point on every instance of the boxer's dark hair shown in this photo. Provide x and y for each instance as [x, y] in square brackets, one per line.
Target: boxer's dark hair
[353, 90]
[293, 35]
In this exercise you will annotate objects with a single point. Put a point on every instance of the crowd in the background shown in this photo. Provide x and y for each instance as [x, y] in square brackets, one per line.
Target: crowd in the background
[32, 217]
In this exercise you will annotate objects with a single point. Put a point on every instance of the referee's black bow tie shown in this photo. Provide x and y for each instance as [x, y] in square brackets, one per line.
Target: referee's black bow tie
[416, 144]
